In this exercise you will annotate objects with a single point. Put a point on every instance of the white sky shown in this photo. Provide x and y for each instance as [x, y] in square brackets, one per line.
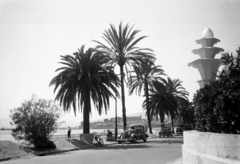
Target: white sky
[34, 33]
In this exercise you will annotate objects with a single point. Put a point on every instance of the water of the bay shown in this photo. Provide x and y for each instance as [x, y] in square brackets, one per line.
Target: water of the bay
[6, 134]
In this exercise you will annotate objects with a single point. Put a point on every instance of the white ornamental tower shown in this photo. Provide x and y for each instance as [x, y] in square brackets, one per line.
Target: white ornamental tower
[207, 65]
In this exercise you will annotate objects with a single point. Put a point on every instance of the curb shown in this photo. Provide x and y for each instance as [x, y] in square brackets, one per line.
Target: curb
[42, 153]
[66, 150]
[8, 158]
[179, 161]
[54, 152]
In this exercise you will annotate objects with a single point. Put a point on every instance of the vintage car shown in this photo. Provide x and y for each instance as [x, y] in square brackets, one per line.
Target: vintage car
[132, 134]
[183, 127]
[165, 131]
[179, 130]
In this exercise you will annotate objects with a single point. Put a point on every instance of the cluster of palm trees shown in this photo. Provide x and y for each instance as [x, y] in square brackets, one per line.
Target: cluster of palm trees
[88, 77]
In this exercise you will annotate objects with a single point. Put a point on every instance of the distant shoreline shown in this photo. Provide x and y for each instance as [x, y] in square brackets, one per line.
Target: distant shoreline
[7, 128]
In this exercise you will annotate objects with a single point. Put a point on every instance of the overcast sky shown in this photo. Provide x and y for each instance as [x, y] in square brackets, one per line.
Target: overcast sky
[34, 33]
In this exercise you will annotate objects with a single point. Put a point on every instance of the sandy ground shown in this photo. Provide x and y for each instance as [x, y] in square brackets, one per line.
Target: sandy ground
[9, 149]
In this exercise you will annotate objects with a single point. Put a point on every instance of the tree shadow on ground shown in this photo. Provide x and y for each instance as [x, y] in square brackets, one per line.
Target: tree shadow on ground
[79, 144]
[84, 145]
[122, 146]
[166, 141]
[106, 147]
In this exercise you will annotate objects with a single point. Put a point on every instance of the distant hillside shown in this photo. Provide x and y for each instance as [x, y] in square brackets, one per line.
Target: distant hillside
[142, 114]
[76, 124]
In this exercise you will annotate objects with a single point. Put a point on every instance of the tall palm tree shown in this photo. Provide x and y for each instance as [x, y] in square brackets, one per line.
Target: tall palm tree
[85, 76]
[143, 77]
[121, 47]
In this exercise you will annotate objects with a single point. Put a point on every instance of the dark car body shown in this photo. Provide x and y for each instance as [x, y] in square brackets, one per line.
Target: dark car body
[132, 134]
[165, 131]
[179, 130]
[183, 127]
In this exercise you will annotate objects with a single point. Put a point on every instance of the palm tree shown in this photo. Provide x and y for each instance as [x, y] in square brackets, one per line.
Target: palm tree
[143, 77]
[174, 87]
[121, 47]
[160, 100]
[166, 99]
[85, 76]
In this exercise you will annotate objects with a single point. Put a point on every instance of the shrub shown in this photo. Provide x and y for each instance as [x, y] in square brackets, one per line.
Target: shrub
[204, 109]
[35, 121]
[186, 114]
[217, 106]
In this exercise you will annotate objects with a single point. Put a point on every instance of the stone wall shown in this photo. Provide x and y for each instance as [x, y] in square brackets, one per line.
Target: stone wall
[87, 138]
[210, 148]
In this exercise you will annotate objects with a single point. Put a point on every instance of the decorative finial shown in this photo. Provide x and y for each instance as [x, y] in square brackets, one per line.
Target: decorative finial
[207, 33]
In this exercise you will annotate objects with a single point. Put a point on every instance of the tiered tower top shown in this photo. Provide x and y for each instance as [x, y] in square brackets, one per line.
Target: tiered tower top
[207, 39]
[207, 65]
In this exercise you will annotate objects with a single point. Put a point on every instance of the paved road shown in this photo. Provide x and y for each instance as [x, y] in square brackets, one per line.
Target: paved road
[154, 151]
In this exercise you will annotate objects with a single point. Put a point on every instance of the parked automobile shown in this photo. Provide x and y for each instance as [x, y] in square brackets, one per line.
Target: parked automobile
[179, 130]
[165, 131]
[132, 134]
[183, 127]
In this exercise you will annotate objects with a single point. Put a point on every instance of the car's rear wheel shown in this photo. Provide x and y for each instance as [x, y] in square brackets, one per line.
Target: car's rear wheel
[119, 142]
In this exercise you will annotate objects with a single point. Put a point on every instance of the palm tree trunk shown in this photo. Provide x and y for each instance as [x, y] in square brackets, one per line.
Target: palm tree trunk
[86, 110]
[161, 114]
[172, 125]
[123, 98]
[148, 110]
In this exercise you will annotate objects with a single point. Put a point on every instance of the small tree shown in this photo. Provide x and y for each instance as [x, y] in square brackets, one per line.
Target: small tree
[35, 122]
[185, 113]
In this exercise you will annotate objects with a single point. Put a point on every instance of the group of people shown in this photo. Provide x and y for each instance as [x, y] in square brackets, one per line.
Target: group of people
[109, 134]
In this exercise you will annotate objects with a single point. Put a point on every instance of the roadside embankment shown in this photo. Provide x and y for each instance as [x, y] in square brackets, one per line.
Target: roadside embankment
[9, 149]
